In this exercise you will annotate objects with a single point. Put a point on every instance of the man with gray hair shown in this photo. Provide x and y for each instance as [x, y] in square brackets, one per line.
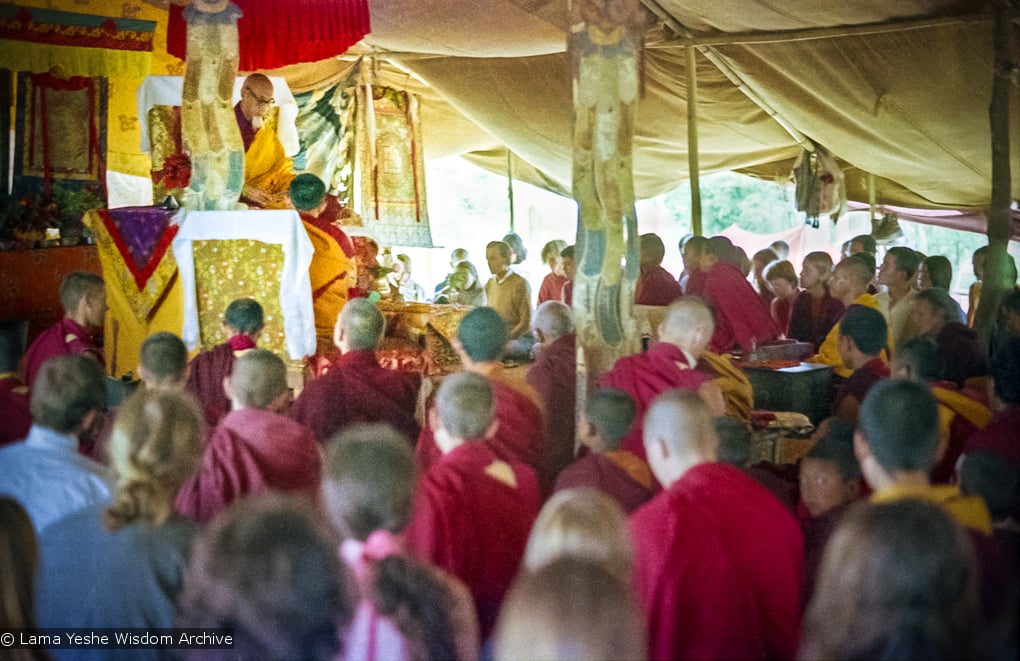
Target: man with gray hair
[553, 375]
[356, 388]
[474, 511]
[717, 559]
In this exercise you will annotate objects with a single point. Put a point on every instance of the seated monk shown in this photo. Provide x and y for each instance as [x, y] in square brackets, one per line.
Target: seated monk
[553, 375]
[672, 362]
[935, 314]
[83, 297]
[608, 416]
[242, 321]
[267, 169]
[255, 448]
[717, 559]
[473, 511]
[849, 284]
[332, 270]
[830, 482]
[863, 334]
[896, 443]
[520, 435]
[1000, 434]
[14, 409]
[356, 388]
[815, 311]
[655, 285]
[693, 278]
[962, 412]
[742, 320]
[735, 441]
[162, 365]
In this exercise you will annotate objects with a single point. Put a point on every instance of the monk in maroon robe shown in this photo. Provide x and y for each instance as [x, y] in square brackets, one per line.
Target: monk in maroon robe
[473, 511]
[603, 466]
[83, 297]
[717, 560]
[520, 434]
[863, 332]
[356, 388]
[655, 285]
[742, 320]
[1002, 433]
[671, 363]
[255, 448]
[14, 409]
[243, 321]
[553, 375]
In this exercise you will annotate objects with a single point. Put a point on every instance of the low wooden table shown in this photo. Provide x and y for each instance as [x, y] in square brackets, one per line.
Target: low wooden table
[803, 389]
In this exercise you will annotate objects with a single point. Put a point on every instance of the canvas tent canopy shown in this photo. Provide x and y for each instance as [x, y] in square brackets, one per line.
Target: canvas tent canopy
[896, 89]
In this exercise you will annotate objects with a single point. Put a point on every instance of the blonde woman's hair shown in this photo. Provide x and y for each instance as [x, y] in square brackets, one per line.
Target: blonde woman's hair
[571, 609]
[582, 523]
[156, 445]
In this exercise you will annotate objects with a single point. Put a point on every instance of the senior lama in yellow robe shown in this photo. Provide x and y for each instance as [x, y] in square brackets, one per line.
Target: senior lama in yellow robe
[267, 169]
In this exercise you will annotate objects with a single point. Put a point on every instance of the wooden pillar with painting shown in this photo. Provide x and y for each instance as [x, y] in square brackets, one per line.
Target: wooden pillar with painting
[605, 50]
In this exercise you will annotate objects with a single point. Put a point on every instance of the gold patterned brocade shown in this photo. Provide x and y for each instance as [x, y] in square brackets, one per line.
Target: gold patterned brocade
[227, 269]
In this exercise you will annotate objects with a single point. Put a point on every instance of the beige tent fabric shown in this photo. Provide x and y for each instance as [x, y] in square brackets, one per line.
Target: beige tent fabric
[909, 106]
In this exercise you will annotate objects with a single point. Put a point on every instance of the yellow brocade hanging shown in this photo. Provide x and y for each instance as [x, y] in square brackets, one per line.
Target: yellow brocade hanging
[229, 269]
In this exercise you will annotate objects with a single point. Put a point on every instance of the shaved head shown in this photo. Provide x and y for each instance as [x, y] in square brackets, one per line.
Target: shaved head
[362, 324]
[681, 421]
[857, 268]
[257, 378]
[688, 324]
[465, 405]
[554, 319]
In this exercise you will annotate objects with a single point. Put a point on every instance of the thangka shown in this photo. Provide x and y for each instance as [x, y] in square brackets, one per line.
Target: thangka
[391, 186]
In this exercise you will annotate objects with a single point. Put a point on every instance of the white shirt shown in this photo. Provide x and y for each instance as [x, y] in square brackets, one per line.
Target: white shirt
[49, 478]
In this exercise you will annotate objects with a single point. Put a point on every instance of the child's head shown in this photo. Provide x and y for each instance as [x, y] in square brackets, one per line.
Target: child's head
[781, 278]
[551, 255]
[609, 414]
[829, 473]
[567, 259]
[244, 317]
[817, 268]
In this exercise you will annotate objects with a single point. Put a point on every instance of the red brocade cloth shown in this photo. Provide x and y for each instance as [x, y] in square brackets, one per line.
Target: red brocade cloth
[717, 569]
[274, 34]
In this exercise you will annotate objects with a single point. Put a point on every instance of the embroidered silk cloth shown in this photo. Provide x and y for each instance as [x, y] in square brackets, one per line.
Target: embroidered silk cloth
[392, 167]
[36, 39]
[134, 244]
[225, 255]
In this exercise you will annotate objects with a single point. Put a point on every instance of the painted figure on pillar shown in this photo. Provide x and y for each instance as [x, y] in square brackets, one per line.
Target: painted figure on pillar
[209, 129]
[605, 47]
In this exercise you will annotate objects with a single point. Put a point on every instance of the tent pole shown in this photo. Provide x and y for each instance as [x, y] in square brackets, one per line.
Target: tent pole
[510, 185]
[871, 195]
[693, 160]
[996, 280]
[604, 42]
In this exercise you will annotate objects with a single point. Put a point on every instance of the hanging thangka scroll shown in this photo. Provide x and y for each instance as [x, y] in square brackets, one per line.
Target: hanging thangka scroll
[391, 165]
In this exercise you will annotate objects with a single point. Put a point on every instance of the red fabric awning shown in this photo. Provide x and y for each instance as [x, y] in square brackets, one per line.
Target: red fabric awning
[275, 33]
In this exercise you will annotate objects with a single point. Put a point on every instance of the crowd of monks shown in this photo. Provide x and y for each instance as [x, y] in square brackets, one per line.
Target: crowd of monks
[412, 505]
